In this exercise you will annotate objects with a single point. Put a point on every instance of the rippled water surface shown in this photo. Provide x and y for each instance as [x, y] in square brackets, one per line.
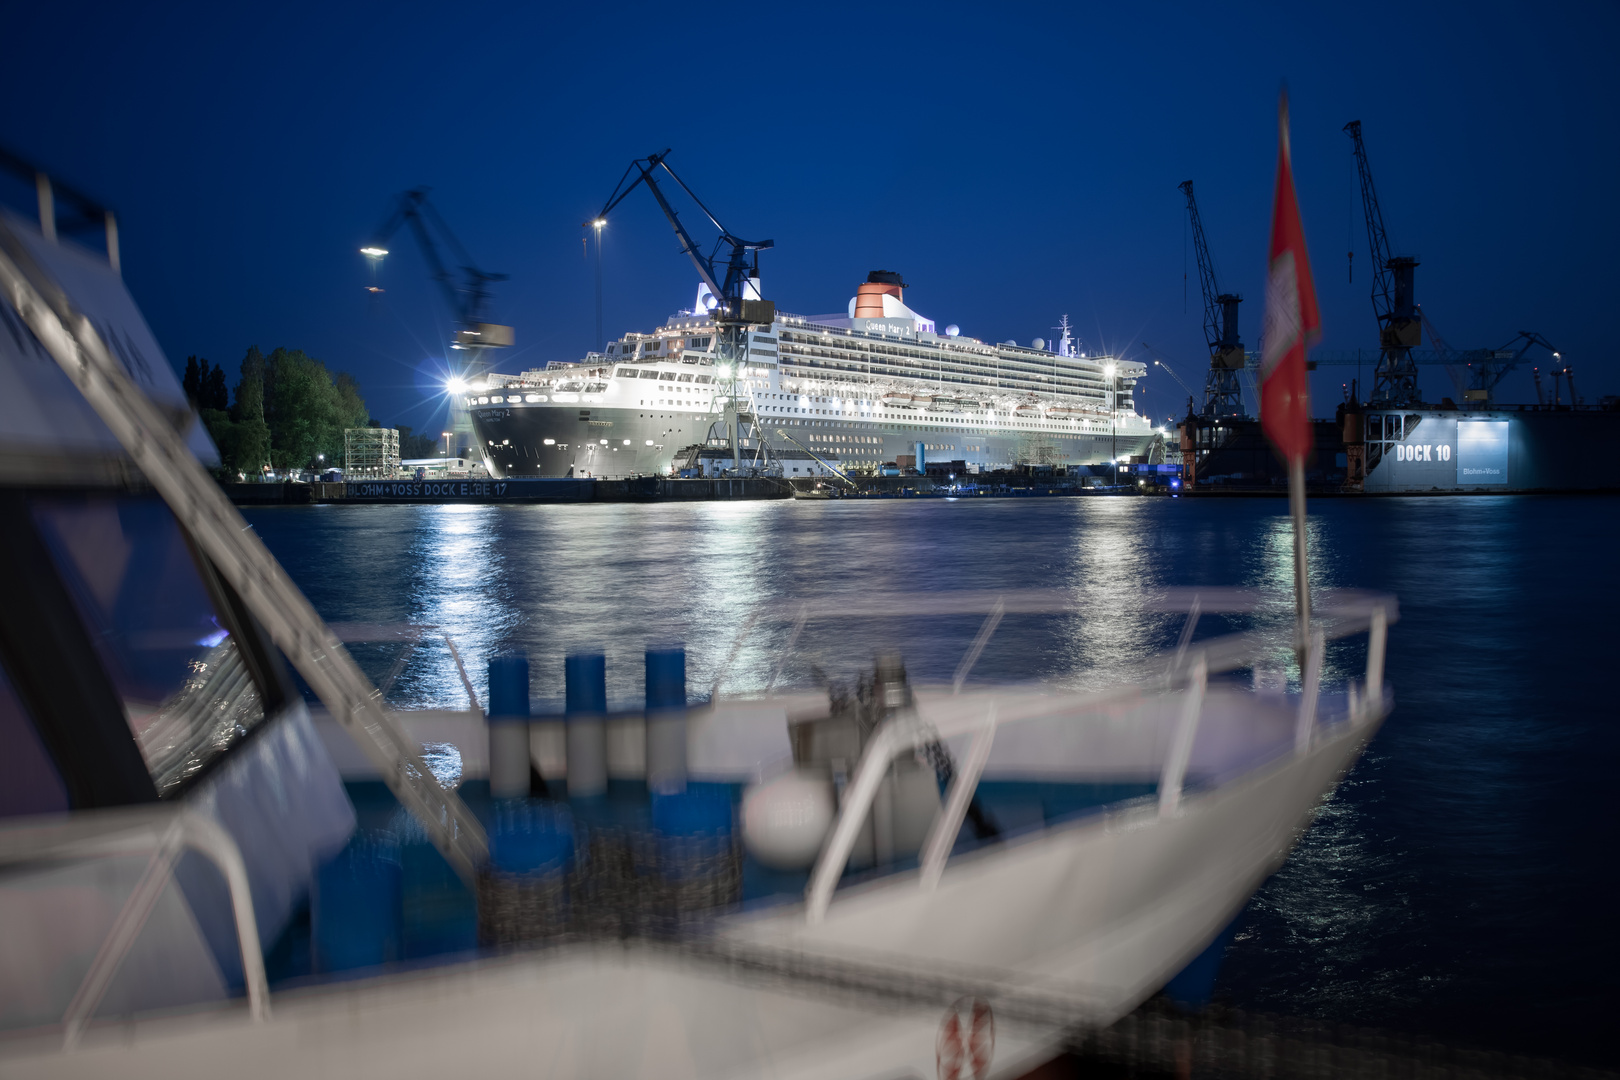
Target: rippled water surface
[1458, 884]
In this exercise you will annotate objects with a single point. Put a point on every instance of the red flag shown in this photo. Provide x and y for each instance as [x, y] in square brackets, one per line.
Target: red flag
[1292, 321]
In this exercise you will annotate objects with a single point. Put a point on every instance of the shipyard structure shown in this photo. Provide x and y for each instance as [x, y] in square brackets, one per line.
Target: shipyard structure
[1394, 442]
[873, 386]
[1417, 450]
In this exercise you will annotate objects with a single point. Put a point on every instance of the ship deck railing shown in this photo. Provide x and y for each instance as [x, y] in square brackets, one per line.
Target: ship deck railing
[1186, 669]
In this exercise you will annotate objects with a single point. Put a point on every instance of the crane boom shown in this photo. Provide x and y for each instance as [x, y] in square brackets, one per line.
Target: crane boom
[730, 290]
[825, 464]
[1488, 374]
[468, 298]
[1400, 326]
[1222, 394]
[735, 309]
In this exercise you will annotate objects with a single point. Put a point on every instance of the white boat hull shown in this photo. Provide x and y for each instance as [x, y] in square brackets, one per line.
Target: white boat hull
[1079, 922]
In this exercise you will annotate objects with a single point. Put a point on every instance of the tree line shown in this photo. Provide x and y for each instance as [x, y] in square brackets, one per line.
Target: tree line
[288, 411]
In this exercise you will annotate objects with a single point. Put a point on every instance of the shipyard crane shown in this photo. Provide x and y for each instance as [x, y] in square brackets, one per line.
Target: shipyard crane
[1487, 375]
[735, 295]
[1172, 373]
[1222, 394]
[1461, 364]
[1563, 371]
[825, 464]
[467, 296]
[1400, 327]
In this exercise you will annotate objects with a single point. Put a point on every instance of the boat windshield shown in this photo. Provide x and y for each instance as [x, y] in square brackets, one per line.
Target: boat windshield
[187, 691]
[32, 784]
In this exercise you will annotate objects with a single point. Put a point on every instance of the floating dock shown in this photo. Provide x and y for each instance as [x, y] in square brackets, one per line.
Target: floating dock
[1417, 450]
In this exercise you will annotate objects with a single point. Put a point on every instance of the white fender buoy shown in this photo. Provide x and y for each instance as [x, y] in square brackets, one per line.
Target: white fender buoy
[786, 819]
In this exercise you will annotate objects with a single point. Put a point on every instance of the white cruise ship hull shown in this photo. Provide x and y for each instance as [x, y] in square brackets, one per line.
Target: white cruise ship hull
[545, 440]
[869, 391]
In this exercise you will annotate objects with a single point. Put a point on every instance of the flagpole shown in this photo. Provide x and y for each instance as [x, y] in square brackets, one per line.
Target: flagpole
[1302, 581]
[1293, 323]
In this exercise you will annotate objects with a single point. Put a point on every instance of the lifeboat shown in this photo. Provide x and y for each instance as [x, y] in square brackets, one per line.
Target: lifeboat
[896, 400]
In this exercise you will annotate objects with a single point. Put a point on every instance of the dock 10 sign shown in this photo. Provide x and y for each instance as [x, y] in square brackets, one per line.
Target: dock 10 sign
[1414, 452]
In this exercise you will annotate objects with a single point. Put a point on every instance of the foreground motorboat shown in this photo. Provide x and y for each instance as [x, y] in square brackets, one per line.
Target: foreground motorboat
[877, 880]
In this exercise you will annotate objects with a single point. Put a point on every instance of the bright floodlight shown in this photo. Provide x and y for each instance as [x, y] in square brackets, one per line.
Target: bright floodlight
[599, 222]
[373, 252]
[1108, 371]
[456, 386]
[725, 371]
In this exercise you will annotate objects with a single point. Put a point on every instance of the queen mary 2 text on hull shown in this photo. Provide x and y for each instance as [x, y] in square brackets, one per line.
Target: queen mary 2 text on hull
[875, 385]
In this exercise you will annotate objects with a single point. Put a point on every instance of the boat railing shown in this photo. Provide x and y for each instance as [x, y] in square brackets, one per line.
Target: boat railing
[163, 835]
[163, 457]
[409, 637]
[1188, 668]
[1333, 606]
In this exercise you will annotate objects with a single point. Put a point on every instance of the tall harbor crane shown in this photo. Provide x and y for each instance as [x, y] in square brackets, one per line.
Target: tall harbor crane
[1172, 373]
[1400, 326]
[1222, 394]
[467, 296]
[1484, 377]
[735, 299]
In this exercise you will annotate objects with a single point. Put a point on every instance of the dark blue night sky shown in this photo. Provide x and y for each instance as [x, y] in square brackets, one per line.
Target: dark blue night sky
[1014, 162]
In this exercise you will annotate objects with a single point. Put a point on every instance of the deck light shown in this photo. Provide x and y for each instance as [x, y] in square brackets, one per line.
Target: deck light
[455, 385]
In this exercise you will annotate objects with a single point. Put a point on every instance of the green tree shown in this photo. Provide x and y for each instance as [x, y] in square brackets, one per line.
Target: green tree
[412, 445]
[307, 410]
[212, 393]
[192, 383]
[249, 438]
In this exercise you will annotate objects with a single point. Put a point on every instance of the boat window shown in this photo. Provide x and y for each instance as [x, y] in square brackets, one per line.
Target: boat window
[31, 783]
[668, 376]
[686, 378]
[649, 374]
[187, 690]
[627, 373]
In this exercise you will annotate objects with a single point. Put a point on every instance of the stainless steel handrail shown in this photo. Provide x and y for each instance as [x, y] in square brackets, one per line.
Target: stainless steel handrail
[1335, 606]
[203, 509]
[1188, 666]
[162, 833]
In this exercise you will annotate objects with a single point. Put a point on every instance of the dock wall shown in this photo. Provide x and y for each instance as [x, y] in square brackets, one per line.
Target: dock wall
[635, 489]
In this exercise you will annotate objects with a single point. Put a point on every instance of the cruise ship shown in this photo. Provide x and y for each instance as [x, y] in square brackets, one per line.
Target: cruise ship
[874, 386]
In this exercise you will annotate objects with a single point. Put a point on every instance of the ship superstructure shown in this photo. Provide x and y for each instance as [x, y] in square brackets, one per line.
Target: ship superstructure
[876, 384]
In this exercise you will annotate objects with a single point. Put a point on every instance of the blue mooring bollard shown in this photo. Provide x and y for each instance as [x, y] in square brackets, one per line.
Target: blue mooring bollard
[585, 678]
[508, 720]
[666, 721]
[357, 906]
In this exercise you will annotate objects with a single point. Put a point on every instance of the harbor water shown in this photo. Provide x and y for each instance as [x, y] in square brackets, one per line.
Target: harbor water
[1458, 885]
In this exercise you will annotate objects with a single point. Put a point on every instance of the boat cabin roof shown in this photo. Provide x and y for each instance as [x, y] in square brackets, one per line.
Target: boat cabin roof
[48, 432]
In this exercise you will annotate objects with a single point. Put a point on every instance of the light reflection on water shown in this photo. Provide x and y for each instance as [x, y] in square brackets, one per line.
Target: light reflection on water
[1454, 883]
